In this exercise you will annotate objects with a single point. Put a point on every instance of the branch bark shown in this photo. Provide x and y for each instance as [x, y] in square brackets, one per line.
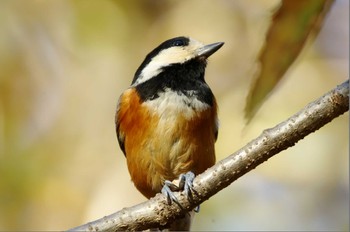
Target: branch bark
[156, 213]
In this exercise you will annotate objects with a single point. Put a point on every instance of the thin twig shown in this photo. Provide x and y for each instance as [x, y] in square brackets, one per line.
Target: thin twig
[155, 213]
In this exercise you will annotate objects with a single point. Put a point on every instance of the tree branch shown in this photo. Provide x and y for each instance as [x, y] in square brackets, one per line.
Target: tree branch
[156, 213]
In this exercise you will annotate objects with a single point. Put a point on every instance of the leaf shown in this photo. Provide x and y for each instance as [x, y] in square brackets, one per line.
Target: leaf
[292, 24]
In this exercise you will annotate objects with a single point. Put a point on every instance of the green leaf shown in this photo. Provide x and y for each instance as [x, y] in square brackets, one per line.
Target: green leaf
[292, 25]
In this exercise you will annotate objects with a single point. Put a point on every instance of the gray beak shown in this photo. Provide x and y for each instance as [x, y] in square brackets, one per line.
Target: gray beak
[208, 50]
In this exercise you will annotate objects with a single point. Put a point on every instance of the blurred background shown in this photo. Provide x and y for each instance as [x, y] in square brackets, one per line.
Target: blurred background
[63, 65]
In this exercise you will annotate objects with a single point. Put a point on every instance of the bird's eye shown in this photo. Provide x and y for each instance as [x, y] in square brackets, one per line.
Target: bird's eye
[179, 43]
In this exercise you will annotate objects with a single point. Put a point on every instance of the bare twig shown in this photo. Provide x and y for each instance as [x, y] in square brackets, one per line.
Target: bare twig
[156, 213]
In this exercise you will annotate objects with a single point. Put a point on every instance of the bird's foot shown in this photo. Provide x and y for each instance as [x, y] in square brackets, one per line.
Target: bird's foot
[185, 183]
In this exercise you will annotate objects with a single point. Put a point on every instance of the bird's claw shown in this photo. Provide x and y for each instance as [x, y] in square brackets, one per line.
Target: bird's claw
[168, 189]
[185, 184]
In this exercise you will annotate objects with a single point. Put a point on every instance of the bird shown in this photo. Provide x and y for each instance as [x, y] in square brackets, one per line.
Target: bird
[166, 121]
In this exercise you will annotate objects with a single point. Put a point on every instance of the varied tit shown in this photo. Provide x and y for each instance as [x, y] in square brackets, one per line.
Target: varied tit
[166, 121]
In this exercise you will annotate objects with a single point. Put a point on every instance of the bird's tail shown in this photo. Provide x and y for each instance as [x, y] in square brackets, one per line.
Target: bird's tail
[182, 224]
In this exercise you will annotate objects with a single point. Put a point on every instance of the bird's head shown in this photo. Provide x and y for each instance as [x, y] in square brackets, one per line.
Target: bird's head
[176, 51]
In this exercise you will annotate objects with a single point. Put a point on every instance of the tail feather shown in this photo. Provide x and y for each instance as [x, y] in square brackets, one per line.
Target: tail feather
[182, 224]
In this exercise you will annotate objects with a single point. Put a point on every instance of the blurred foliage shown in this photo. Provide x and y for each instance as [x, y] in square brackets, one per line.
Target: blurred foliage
[63, 66]
[292, 24]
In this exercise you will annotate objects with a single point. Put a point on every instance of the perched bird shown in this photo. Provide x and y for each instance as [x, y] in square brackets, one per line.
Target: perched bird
[166, 121]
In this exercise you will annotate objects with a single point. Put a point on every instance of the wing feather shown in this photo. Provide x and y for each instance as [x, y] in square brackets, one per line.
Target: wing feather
[120, 133]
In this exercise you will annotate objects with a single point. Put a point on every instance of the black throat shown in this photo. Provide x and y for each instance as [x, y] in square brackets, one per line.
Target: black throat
[186, 78]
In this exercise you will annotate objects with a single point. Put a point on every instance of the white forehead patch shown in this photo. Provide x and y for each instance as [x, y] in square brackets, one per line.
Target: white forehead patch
[172, 55]
[170, 104]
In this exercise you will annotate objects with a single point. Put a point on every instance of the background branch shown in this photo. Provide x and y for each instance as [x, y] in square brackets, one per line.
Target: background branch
[156, 213]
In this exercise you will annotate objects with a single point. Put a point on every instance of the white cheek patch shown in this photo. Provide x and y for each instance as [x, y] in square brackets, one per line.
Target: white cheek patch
[170, 104]
[151, 70]
[172, 55]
